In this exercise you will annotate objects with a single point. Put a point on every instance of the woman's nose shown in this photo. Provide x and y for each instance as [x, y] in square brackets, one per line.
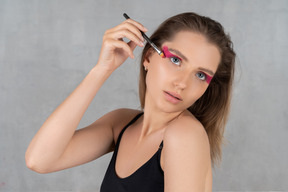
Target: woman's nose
[182, 81]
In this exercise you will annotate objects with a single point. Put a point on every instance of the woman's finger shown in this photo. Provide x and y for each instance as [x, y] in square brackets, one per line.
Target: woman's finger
[139, 25]
[128, 25]
[128, 34]
[132, 45]
[116, 44]
[133, 29]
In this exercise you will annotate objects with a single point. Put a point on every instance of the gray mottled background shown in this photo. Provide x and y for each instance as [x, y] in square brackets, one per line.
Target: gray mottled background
[47, 47]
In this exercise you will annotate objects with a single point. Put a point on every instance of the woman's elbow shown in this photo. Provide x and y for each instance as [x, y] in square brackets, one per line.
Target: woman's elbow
[30, 163]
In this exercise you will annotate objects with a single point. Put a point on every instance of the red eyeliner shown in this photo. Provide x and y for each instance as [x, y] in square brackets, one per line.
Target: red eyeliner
[168, 54]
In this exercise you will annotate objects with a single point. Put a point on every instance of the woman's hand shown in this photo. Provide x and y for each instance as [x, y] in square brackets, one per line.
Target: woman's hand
[114, 50]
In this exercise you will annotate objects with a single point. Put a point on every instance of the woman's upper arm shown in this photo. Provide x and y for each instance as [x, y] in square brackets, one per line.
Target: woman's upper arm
[186, 157]
[91, 142]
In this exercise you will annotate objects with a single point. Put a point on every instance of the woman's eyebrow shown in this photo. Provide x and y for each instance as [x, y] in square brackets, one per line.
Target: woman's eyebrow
[207, 71]
[179, 53]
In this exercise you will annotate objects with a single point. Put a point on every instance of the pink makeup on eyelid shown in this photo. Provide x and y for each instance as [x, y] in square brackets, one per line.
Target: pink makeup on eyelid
[168, 54]
[208, 78]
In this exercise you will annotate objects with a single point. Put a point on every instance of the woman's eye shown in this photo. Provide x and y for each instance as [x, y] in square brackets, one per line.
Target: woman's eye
[201, 76]
[175, 60]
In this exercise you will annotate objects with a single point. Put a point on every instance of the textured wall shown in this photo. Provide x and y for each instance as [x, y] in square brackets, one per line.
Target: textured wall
[47, 47]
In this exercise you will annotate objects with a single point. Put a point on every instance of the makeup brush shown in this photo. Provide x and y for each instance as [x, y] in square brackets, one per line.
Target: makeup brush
[148, 40]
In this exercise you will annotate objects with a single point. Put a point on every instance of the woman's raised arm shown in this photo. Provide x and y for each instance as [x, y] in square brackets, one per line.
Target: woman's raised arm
[57, 145]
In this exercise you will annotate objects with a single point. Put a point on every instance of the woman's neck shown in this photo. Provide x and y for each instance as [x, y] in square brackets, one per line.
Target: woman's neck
[155, 119]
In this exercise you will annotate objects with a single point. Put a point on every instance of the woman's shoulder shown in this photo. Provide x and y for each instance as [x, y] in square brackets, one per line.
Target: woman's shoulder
[186, 129]
[187, 138]
[186, 152]
[186, 121]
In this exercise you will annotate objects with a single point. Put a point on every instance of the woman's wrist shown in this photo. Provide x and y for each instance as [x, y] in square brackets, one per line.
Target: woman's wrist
[100, 70]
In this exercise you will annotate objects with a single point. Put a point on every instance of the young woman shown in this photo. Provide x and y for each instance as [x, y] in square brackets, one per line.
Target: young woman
[173, 143]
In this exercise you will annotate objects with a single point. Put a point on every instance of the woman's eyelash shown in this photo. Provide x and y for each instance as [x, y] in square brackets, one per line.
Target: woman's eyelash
[202, 76]
[170, 55]
[206, 77]
[176, 60]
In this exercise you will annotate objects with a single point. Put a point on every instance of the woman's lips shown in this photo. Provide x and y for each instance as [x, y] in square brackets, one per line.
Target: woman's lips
[172, 97]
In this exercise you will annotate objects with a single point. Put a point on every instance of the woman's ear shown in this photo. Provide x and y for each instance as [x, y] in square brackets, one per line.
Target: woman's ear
[147, 57]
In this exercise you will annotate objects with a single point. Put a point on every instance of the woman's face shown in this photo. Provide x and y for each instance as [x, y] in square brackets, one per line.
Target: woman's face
[184, 73]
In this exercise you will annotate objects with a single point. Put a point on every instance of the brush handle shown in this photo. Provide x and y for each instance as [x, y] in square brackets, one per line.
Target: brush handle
[146, 38]
[143, 34]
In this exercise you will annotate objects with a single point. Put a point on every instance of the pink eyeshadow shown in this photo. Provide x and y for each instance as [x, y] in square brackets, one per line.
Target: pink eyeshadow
[168, 54]
[208, 78]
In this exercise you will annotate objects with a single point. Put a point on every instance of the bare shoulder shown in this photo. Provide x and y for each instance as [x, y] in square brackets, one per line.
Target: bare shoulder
[187, 129]
[186, 135]
[121, 117]
[186, 155]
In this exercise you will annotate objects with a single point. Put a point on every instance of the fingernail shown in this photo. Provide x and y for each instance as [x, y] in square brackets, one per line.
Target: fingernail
[142, 44]
[145, 29]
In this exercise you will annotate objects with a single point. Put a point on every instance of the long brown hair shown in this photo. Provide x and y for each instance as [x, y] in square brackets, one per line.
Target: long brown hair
[212, 108]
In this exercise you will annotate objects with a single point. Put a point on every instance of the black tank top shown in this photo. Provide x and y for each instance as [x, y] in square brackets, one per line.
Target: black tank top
[148, 178]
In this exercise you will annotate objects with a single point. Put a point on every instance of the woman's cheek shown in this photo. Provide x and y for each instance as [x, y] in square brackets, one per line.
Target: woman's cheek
[166, 69]
[157, 74]
[163, 71]
[196, 92]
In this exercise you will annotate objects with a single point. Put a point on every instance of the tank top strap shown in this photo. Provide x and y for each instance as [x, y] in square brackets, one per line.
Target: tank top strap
[159, 153]
[161, 145]
[122, 131]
